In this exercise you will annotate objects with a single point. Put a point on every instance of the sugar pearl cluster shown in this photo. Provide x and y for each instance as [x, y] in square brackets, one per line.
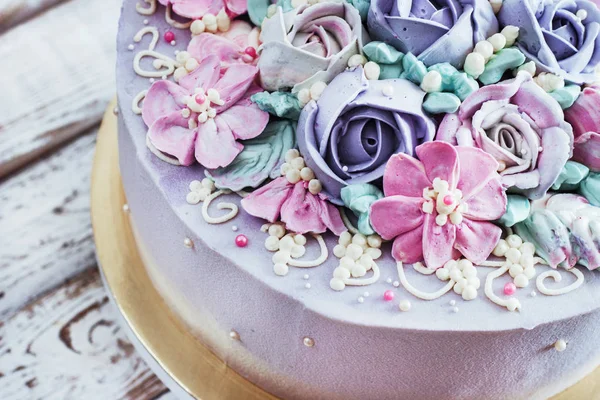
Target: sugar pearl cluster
[464, 274]
[485, 49]
[200, 105]
[371, 69]
[185, 64]
[519, 258]
[313, 93]
[549, 82]
[295, 170]
[447, 202]
[357, 254]
[285, 245]
[211, 23]
[200, 190]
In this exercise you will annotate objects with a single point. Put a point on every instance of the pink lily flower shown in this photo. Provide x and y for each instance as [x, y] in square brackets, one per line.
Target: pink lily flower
[196, 9]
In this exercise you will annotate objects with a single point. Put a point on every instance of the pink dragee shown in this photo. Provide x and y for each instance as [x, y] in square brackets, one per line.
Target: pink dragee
[176, 130]
[475, 193]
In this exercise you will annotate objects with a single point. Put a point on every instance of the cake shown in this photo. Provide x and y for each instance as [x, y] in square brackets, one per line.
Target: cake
[370, 199]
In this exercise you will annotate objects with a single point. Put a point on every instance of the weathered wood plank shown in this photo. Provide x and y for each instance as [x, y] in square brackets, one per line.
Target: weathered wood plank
[68, 345]
[13, 12]
[45, 228]
[56, 77]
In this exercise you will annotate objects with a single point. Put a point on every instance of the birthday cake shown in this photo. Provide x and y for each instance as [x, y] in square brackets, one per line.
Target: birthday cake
[371, 199]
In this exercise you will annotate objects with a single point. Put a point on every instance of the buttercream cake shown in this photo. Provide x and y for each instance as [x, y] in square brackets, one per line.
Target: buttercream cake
[371, 199]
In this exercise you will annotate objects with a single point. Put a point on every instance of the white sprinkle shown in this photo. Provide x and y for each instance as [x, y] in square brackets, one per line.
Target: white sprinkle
[366, 294]
[582, 14]
[187, 242]
[345, 168]
[176, 52]
[560, 345]
[308, 342]
[455, 309]
[126, 207]
[131, 47]
[396, 284]
[234, 228]
[173, 43]
[533, 294]
[234, 335]
[308, 286]
[164, 77]
[389, 280]
[116, 111]
[388, 90]
[452, 302]
[361, 299]
[146, 22]
[152, 80]
[306, 277]
[404, 305]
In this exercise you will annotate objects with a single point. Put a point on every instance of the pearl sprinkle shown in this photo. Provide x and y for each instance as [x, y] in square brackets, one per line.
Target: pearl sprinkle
[295, 170]
[560, 345]
[285, 246]
[357, 254]
[241, 241]
[464, 274]
[200, 190]
[519, 259]
[313, 93]
[484, 50]
[308, 342]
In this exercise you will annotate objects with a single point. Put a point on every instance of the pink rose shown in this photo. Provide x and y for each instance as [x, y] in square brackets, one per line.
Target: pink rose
[584, 116]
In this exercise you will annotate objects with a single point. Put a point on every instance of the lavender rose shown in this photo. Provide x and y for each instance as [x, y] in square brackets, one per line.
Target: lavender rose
[521, 126]
[308, 44]
[349, 134]
[562, 37]
[434, 31]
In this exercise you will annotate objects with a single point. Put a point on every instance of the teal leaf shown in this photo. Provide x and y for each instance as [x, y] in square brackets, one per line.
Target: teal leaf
[517, 210]
[382, 53]
[502, 61]
[280, 104]
[362, 6]
[590, 188]
[359, 198]
[260, 159]
[464, 85]
[571, 176]
[567, 95]
[414, 69]
[441, 103]
[447, 71]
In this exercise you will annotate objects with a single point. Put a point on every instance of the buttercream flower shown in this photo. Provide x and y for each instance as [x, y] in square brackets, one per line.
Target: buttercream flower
[584, 116]
[435, 31]
[562, 37]
[237, 45]
[437, 207]
[196, 9]
[349, 134]
[204, 115]
[521, 126]
[293, 204]
[308, 44]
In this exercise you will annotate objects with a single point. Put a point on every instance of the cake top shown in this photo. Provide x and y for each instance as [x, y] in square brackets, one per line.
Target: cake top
[451, 136]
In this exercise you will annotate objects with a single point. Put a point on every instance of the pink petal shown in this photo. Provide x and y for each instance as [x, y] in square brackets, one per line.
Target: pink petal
[587, 150]
[170, 134]
[242, 33]
[331, 218]
[395, 215]
[440, 160]
[216, 146]
[234, 83]
[488, 204]
[476, 240]
[404, 175]
[196, 9]
[266, 202]
[205, 76]
[163, 98]
[236, 7]
[246, 122]
[408, 247]
[539, 105]
[206, 44]
[584, 115]
[448, 129]
[476, 169]
[438, 242]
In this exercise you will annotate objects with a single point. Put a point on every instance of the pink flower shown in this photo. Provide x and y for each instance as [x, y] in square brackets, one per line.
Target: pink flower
[196, 9]
[301, 210]
[238, 45]
[436, 209]
[205, 114]
[584, 116]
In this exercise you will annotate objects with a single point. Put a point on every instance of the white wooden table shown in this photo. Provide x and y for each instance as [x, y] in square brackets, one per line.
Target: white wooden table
[59, 338]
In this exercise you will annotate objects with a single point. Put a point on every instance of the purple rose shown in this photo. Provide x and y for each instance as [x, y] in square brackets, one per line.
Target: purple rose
[434, 31]
[350, 133]
[557, 36]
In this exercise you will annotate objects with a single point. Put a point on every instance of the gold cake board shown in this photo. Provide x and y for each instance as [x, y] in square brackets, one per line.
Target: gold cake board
[186, 366]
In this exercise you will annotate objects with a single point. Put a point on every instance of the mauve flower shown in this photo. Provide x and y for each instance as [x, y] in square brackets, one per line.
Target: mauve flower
[434, 31]
[521, 126]
[555, 37]
[293, 204]
[308, 44]
[196, 9]
[584, 116]
[348, 135]
[204, 115]
[437, 207]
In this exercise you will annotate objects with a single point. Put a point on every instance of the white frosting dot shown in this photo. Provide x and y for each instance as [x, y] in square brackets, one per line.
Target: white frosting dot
[582, 14]
[388, 90]
[234, 335]
[372, 71]
[405, 305]
[510, 33]
[304, 96]
[356, 60]
[560, 345]
[307, 286]
[187, 242]
[281, 269]
[396, 284]
[317, 89]
[432, 82]
[337, 284]
[474, 64]
[484, 48]
[126, 207]
[497, 40]
[306, 277]
[361, 299]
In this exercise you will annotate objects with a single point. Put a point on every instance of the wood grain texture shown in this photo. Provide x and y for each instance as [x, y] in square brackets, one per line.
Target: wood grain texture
[45, 228]
[68, 345]
[13, 12]
[56, 75]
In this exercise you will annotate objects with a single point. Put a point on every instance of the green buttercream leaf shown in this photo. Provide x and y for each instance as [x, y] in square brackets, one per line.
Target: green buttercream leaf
[447, 71]
[362, 6]
[571, 176]
[502, 61]
[567, 95]
[517, 210]
[257, 10]
[414, 69]
[281, 104]
[390, 71]
[463, 85]
[440, 102]
[260, 159]
[548, 234]
[359, 198]
[590, 188]
[382, 53]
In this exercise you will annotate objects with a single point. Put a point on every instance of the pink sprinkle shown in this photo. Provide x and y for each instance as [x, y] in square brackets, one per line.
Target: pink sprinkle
[169, 36]
[241, 241]
[251, 51]
[388, 295]
[510, 289]
[200, 98]
[448, 200]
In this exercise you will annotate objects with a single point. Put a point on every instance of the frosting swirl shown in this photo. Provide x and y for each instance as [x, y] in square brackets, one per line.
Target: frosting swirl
[435, 31]
[350, 133]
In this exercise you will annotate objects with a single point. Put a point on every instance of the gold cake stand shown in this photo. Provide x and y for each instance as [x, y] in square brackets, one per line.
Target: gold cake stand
[186, 365]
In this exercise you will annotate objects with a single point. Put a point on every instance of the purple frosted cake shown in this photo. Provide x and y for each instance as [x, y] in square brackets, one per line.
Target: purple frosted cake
[361, 199]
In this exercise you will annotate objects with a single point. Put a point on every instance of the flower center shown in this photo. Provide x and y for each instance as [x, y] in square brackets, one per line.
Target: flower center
[447, 203]
[201, 103]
